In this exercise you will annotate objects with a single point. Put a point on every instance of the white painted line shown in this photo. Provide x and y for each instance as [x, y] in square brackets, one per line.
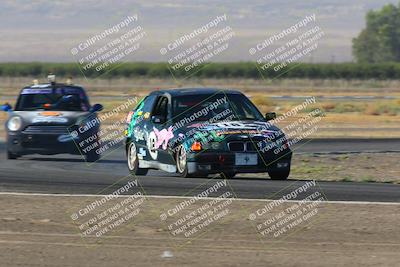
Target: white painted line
[189, 197]
[348, 152]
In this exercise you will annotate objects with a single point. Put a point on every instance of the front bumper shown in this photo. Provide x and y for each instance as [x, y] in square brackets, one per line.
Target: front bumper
[22, 143]
[217, 162]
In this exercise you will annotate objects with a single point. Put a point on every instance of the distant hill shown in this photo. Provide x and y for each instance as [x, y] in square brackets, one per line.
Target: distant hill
[46, 30]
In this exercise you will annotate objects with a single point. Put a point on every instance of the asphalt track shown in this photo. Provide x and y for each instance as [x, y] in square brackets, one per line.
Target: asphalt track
[66, 174]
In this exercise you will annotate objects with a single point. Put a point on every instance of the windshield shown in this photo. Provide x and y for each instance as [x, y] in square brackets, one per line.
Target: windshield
[61, 100]
[214, 107]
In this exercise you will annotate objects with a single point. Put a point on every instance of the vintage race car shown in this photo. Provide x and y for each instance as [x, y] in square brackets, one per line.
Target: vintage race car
[200, 131]
[50, 119]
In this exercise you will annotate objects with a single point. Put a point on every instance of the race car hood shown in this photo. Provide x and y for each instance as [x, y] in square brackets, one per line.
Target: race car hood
[64, 118]
[242, 128]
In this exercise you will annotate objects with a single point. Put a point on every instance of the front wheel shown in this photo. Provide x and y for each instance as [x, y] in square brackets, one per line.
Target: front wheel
[181, 163]
[227, 175]
[92, 157]
[11, 155]
[133, 161]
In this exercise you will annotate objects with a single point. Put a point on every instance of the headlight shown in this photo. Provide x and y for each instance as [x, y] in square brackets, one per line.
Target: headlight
[14, 124]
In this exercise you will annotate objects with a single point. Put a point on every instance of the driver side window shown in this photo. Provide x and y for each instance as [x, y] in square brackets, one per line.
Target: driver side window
[161, 108]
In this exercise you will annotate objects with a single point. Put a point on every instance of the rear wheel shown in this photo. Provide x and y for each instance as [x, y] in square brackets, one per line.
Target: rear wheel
[279, 174]
[133, 161]
[11, 155]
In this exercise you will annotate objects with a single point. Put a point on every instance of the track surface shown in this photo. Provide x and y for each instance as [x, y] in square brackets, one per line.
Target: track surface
[71, 175]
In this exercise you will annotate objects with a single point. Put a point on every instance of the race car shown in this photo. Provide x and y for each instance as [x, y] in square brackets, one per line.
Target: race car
[48, 119]
[201, 131]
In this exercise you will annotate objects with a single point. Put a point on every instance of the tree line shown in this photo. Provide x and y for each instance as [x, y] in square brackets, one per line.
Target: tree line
[211, 70]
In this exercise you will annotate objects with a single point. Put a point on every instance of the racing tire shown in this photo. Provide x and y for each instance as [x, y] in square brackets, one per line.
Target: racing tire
[92, 157]
[11, 155]
[228, 175]
[133, 161]
[181, 163]
[279, 174]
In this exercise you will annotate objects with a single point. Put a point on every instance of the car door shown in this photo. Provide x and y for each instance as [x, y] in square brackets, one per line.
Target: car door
[162, 131]
[140, 125]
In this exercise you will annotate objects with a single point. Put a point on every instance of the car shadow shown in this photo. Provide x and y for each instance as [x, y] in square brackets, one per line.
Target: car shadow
[107, 161]
[217, 177]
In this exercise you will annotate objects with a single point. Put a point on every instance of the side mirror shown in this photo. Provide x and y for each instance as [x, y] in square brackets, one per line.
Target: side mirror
[157, 119]
[96, 108]
[6, 107]
[270, 116]
[67, 99]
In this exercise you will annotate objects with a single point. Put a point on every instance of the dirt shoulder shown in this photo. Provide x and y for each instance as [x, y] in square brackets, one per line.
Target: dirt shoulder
[39, 231]
[357, 167]
[344, 167]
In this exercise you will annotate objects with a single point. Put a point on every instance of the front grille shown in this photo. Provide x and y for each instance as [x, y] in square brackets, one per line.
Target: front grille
[251, 146]
[46, 129]
[238, 146]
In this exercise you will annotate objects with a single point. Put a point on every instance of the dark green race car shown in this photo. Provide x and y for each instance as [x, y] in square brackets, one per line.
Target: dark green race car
[197, 132]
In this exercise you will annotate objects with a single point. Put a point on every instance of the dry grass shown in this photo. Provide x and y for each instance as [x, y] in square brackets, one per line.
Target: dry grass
[347, 114]
[263, 102]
